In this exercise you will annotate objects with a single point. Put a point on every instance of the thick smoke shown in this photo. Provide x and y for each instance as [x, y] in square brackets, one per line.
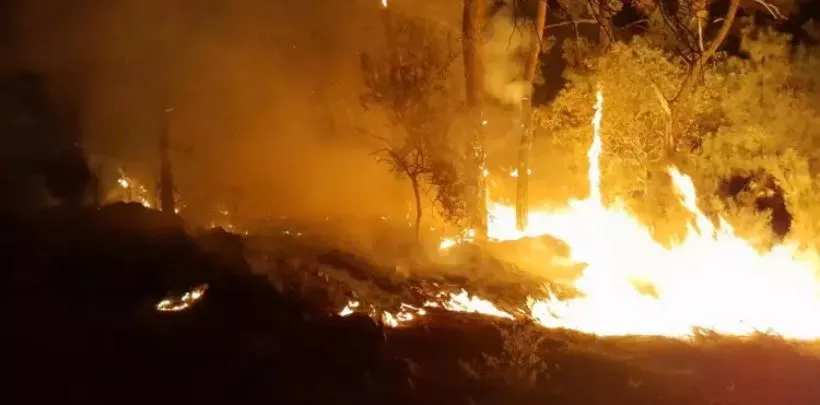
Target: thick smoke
[508, 39]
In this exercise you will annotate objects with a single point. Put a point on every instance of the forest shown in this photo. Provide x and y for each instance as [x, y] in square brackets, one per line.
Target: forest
[477, 202]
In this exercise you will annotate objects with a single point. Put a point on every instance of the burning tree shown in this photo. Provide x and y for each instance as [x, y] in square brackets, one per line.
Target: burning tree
[730, 124]
[410, 84]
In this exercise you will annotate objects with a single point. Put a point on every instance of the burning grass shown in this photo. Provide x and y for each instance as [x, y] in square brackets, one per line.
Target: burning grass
[286, 344]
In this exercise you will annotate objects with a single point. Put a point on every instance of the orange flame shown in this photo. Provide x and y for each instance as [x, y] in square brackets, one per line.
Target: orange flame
[712, 279]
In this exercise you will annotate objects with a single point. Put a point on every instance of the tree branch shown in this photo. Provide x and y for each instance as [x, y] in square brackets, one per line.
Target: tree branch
[697, 66]
[574, 22]
[772, 9]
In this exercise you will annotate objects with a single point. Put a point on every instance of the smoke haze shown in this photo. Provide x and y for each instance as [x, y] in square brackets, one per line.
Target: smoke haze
[265, 95]
[506, 45]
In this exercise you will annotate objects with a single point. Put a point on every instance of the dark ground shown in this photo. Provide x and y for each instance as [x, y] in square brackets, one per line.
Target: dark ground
[81, 286]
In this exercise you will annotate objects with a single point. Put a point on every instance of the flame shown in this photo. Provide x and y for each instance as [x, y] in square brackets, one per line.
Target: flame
[384, 3]
[175, 304]
[350, 308]
[131, 190]
[460, 302]
[711, 280]
[463, 302]
[633, 285]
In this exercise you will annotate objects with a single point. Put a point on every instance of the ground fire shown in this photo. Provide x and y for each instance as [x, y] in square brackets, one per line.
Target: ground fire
[711, 280]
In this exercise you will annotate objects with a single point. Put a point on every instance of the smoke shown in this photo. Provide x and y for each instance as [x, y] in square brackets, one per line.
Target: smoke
[508, 39]
[265, 96]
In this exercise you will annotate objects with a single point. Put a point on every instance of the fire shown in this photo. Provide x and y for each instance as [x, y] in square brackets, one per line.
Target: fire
[711, 280]
[461, 302]
[633, 285]
[514, 173]
[349, 308]
[175, 304]
[130, 190]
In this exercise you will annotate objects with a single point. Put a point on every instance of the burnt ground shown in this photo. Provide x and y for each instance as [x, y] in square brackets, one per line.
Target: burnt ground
[81, 327]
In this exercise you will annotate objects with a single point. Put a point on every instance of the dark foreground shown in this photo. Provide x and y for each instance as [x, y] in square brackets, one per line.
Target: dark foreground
[82, 285]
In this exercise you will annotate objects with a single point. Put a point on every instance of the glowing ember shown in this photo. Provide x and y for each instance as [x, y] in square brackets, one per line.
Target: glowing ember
[463, 302]
[174, 304]
[514, 173]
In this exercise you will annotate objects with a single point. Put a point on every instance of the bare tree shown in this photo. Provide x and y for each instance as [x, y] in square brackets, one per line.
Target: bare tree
[412, 163]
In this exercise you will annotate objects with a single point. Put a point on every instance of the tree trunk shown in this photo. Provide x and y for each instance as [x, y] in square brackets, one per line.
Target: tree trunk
[166, 184]
[166, 194]
[472, 21]
[527, 126]
[417, 194]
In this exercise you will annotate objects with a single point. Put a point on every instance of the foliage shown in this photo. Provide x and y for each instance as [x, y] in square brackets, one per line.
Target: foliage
[770, 104]
[634, 121]
[747, 117]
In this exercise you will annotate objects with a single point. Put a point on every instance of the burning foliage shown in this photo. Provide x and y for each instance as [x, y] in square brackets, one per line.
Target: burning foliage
[621, 255]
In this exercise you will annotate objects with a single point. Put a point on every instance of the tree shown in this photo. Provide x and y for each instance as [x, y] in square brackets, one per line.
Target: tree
[414, 165]
[166, 183]
[410, 84]
[472, 23]
[754, 119]
[769, 126]
[633, 156]
[525, 146]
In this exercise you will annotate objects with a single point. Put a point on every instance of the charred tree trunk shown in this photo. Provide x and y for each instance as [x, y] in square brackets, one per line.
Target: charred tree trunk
[527, 129]
[166, 177]
[472, 21]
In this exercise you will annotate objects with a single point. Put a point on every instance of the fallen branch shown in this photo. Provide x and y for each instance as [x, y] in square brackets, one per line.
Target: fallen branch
[573, 22]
